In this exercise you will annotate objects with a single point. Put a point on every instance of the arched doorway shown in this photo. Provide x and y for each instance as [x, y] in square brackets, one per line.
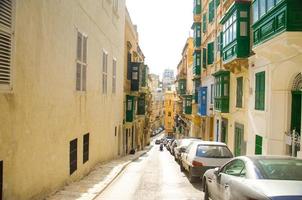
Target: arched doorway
[296, 104]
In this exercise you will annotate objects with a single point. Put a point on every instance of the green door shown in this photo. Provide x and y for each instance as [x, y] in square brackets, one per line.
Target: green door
[296, 111]
[238, 139]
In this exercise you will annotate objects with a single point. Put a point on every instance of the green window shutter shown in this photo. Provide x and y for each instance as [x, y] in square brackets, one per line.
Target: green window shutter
[239, 92]
[258, 145]
[210, 53]
[204, 23]
[211, 11]
[221, 43]
[260, 91]
[217, 3]
[204, 58]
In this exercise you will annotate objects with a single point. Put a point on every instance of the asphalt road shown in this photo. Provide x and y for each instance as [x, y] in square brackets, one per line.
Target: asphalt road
[154, 176]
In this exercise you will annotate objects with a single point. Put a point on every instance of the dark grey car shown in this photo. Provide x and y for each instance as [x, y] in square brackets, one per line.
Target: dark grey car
[255, 178]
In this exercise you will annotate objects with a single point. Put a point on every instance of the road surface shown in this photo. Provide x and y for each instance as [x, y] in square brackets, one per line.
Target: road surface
[154, 176]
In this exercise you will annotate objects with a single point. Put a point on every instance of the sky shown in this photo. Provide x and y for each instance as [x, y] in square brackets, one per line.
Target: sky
[163, 27]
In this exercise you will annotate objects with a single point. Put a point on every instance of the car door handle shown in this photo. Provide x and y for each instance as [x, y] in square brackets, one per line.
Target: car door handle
[226, 186]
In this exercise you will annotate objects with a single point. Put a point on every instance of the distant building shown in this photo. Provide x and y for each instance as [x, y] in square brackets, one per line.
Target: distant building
[168, 79]
[156, 116]
[169, 103]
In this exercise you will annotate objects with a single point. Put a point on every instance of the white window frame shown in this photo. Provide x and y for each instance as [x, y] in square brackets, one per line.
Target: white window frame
[104, 71]
[81, 62]
[114, 64]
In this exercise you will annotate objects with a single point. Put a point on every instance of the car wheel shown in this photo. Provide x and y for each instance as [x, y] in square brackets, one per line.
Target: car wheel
[181, 167]
[206, 191]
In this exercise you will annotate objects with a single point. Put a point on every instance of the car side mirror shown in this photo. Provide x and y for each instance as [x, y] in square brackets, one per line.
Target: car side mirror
[216, 171]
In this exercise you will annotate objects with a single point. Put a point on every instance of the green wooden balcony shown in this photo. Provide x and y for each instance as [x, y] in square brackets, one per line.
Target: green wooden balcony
[196, 27]
[236, 32]
[275, 18]
[197, 7]
[222, 90]
[197, 63]
[182, 86]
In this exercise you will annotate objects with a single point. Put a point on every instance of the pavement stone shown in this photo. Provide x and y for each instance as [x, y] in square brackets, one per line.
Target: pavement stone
[89, 187]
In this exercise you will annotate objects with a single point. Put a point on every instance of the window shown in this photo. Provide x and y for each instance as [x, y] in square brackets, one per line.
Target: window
[204, 57]
[213, 151]
[212, 93]
[114, 76]
[280, 168]
[260, 91]
[255, 11]
[6, 30]
[129, 105]
[81, 62]
[1, 179]
[104, 78]
[73, 155]
[239, 92]
[211, 11]
[169, 114]
[230, 30]
[261, 7]
[210, 53]
[204, 23]
[270, 4]
[85, 147]
[235, 168]
[258, 145]
[115, 131]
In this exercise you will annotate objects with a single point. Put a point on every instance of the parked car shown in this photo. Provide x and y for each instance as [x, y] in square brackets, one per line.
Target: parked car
[182, 144]
[255, 177]
[203, 155]
[157, 141]
[169, 143]
[173, 145]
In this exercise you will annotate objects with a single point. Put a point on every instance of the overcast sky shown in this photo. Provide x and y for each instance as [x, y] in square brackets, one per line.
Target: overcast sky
[163, 27]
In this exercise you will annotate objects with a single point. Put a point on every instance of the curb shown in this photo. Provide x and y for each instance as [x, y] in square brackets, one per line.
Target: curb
[121, 170]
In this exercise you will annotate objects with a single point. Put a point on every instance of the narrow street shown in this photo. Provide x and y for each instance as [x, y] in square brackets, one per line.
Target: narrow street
[153, 176]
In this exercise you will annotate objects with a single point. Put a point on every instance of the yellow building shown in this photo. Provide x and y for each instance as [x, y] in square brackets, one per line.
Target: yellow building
[61, 91]
[169, 100]
[185, 91]
[135, 89]
[157, 103]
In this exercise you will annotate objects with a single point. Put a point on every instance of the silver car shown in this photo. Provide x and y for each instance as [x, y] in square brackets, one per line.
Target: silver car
[203, 155]
[255, 178]
[182, 144]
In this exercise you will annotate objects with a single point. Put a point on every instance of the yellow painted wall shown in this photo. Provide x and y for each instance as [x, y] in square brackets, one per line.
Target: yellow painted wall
[169, 108]
[44, 112]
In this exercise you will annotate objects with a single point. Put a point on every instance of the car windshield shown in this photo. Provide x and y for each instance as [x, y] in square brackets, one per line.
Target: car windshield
[213, 151]
[280, 169]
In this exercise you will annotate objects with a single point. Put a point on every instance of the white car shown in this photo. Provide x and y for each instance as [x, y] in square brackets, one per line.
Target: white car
[203, 155]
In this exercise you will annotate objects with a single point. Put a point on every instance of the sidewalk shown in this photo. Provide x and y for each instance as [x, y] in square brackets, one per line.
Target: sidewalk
[97, 180]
